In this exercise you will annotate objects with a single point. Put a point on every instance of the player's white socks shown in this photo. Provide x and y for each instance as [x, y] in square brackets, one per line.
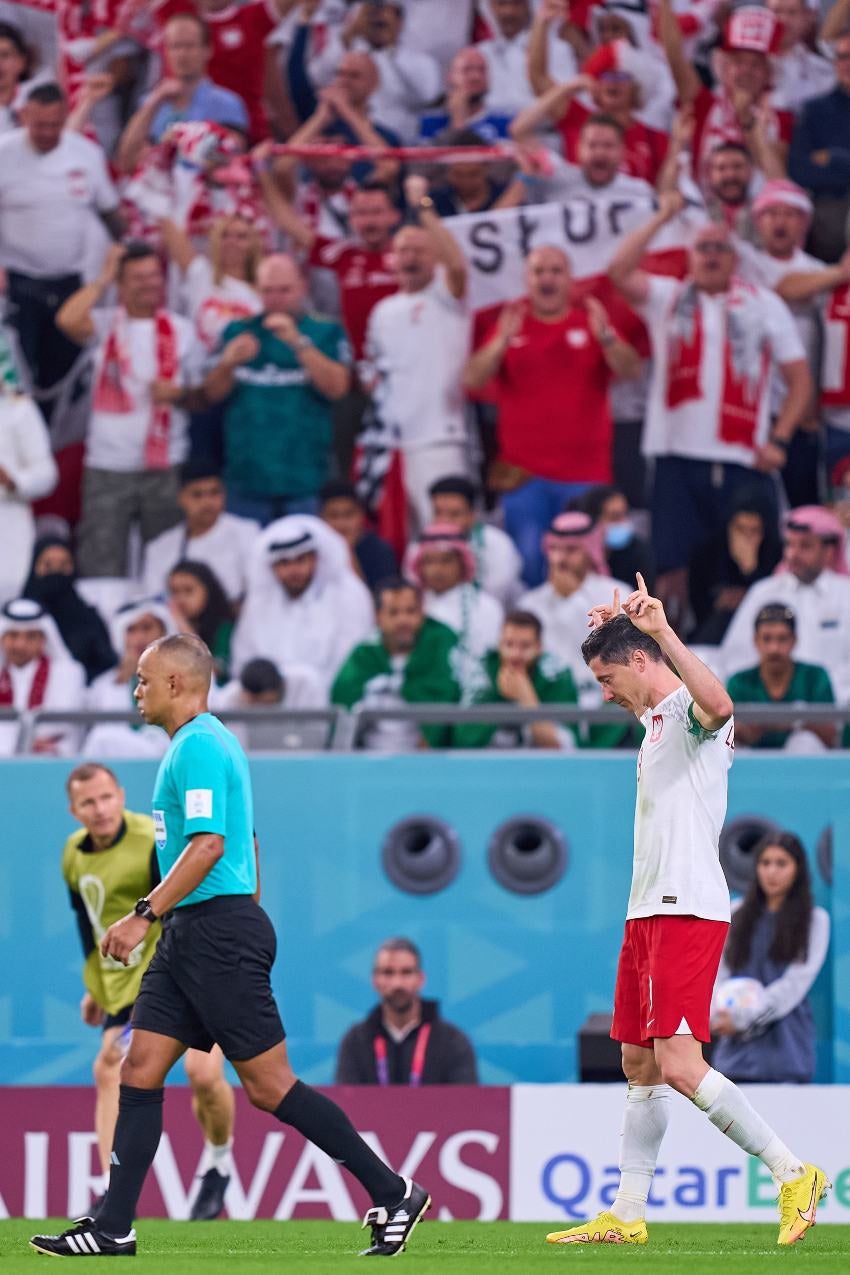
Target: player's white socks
[728, 1109]
[217, 1157]
[644, 1123]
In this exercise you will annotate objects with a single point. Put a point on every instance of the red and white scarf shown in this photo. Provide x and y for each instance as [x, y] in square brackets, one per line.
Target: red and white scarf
[746, 359]
[112, 394]
[835, 370]
[38, 685]
[719, 125]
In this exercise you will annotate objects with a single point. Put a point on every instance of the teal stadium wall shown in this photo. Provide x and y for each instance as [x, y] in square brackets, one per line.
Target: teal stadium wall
[520, 974]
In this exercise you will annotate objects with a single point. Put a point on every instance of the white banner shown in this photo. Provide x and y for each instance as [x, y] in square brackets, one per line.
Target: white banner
[565, 1140]
[496, 244]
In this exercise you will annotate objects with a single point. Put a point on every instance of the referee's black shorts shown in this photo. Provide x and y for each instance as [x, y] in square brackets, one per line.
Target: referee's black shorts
[209, 980]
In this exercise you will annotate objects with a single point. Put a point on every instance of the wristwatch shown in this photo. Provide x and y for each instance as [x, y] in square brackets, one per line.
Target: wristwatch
[144, 910]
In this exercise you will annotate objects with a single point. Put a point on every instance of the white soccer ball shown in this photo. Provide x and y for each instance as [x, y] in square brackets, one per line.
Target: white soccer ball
[741, 998]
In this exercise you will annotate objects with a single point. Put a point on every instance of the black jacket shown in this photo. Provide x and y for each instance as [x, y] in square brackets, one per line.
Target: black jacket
[449, 1057]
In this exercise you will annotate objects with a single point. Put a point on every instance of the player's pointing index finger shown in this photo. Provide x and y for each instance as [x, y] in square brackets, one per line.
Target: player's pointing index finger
[641, 583]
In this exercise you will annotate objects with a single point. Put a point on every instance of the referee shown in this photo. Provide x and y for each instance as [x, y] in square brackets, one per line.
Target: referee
[209, 979]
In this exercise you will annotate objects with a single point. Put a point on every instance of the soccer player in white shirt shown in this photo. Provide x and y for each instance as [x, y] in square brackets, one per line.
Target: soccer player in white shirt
[677, 918]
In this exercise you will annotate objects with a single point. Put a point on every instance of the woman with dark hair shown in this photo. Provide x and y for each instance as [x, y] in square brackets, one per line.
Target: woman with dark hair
[779, 938]
[51, 583]
[199, 605]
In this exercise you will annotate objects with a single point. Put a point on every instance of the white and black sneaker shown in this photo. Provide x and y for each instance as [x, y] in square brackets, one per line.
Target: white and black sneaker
[391, 1227]
[83, 1239]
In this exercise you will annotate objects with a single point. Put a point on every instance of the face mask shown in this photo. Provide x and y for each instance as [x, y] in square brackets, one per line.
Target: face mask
[618, 534]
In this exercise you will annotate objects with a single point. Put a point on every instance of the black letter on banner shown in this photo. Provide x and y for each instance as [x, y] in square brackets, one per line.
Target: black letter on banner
[491, 262]
[527, 227]
[590, 229]
[614, 211]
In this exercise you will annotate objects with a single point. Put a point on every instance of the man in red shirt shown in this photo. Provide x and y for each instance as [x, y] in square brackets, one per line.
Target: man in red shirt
[551, 361]
[240, 60]
[362, 263]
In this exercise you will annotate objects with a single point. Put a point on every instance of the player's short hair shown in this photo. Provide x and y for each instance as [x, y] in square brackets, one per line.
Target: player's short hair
[454, 485]
[88, 770]
[524, 620]
[394, 584]
[616, 640]
[401, 944]
[776, 613]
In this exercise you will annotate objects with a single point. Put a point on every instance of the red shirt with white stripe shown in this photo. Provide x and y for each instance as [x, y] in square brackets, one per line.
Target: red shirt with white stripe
[238, 34]
[364, 278]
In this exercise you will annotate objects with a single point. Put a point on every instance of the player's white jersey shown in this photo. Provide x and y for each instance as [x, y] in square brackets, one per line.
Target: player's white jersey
[681, 804]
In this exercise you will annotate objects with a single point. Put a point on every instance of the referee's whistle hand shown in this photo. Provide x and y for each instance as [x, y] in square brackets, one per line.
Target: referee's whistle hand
[123, 937]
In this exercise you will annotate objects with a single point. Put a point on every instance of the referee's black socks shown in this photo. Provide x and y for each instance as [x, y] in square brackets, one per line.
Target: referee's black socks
[326, 1125]
[137, 1135]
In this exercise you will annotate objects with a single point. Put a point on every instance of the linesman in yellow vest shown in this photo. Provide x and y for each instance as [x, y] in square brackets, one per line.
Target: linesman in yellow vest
[108, 864]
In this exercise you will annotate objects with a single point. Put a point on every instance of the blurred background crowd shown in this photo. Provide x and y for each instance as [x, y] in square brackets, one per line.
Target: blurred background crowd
[375, 342]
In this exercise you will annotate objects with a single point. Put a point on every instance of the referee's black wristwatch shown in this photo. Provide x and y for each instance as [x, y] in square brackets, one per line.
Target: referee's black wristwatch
[144, 910]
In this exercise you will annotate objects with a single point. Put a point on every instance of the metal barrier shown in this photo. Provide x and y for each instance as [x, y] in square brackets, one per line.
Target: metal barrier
[346, 731]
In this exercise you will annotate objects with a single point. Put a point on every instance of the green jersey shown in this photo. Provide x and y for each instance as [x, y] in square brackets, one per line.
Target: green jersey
[104, 886]
[552, 685]
[809, 684]
[204, 785]
[277, 425]
[428, 675]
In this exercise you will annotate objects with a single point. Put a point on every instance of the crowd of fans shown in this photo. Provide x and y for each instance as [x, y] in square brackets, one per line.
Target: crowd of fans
[308, 401]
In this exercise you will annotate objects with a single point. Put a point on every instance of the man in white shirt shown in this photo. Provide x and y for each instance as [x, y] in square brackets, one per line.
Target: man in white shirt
[207, 534]
[147, 361]
[304, 603]
[577, 575]
[714, 341]
[442, 564]
[53, 183]
[677, 919]
[27, 472]
[408, 79]
[782, 214]
[600, 153]
[798, 71]
[497, 560]
[814, 582]
[506, 53]
[416, 346]
[37, 671]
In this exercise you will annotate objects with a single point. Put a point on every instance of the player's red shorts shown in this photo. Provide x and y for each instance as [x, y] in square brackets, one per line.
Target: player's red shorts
[665, 977]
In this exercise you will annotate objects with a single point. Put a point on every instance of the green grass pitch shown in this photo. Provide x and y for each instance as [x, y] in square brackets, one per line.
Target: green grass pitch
[438, 1248]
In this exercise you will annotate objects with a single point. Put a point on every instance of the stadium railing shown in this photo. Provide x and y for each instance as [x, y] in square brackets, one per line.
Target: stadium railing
[346, 731]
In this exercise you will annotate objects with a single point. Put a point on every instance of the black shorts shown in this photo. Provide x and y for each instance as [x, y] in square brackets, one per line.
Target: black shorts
[209, 980]
[119, 1019]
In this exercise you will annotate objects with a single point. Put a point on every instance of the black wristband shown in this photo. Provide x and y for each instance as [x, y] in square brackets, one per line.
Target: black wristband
[782, 443]
[144, 910]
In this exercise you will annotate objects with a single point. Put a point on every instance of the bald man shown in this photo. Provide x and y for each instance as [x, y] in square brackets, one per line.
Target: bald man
[416, 346]
[209, 980]
[551, 360]
[282, 366]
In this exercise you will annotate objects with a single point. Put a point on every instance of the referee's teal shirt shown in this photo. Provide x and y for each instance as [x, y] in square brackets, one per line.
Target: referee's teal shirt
[204, 785]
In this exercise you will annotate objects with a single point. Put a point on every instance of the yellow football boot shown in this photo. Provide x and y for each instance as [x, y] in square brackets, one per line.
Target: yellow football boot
[798, 1203]
[603, 1229]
